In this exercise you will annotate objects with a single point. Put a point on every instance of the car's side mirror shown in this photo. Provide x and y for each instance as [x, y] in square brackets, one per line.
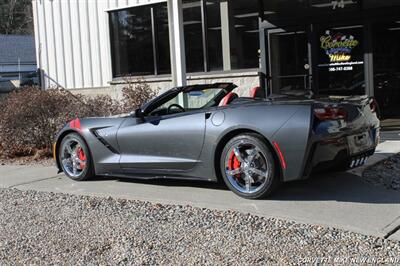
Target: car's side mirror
[139, 113]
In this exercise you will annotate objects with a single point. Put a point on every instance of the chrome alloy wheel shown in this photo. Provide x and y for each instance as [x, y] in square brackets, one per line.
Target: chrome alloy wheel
[247, 167]
[73, 157]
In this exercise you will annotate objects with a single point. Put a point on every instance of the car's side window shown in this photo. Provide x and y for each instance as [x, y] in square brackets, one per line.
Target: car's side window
[188, 101]
[199, 99]
[169, 103]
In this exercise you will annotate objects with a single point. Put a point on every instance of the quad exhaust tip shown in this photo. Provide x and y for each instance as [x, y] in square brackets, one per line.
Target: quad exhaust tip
[358, 161]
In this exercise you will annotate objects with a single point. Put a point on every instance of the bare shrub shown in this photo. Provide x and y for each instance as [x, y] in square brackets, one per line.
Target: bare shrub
[101, 105]
[31, 117]
[135, 94]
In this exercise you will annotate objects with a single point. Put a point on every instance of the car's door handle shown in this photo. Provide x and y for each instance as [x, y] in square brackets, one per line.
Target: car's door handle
[208, 114]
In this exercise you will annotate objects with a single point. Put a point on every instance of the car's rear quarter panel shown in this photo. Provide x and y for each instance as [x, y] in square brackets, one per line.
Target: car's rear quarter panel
[288, 125]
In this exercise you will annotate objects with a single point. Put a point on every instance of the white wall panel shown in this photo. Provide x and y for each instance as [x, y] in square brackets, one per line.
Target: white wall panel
[135, 2]
[36, 29]
[68, 52]
[59, 42]
[72, 40]
[95, 43]
[104, 40]
[40, 36]
[75, 33]
[86, 43]
[51, 72]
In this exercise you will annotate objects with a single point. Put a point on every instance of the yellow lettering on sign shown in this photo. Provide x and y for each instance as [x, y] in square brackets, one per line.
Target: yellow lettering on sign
[339, 57]
[327, 43]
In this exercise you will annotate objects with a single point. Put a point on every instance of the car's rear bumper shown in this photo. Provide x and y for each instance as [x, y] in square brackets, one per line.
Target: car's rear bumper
[340, 153]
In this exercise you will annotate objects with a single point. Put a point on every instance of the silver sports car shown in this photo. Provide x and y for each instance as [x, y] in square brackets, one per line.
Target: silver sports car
[208, 132]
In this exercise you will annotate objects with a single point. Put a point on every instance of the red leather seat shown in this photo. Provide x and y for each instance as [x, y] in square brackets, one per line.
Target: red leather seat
[257, 92]
[228, 99]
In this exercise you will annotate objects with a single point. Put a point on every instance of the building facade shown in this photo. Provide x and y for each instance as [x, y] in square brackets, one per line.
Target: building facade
[333, 47]
[94, 46]
[340, 47]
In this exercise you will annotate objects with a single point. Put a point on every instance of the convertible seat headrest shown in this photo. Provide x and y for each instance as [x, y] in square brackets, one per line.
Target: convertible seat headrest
[257, 92]
[228, 99]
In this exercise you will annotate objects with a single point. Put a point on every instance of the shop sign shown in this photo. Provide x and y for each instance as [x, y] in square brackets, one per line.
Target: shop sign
[339, 48]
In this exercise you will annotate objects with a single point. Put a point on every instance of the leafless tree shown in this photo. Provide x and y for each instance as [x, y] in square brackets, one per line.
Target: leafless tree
[16, 17]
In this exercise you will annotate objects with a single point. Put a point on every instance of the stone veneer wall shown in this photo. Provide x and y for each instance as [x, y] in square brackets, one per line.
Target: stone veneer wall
[244, 80]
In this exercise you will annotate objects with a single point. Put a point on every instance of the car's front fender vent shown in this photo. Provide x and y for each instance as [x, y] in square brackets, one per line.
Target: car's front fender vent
[97, 132]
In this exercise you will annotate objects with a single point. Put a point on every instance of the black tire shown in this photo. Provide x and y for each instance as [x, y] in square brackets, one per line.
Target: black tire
[271, 180]
[88, 171]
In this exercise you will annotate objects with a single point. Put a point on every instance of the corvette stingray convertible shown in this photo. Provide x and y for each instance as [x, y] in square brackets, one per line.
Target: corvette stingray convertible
[208, 132]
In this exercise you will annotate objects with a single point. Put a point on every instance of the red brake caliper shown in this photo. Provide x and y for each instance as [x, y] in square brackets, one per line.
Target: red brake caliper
[82, 157]
[233, 162]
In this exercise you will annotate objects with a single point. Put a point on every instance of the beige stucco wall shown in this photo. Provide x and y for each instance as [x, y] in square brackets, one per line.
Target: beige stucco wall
[244, 80]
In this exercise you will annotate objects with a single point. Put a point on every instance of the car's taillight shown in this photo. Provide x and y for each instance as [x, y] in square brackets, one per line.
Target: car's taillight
[373, 105]
[330, 113]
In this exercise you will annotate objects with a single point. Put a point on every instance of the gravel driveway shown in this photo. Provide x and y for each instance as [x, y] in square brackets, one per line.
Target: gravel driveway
[42, 228]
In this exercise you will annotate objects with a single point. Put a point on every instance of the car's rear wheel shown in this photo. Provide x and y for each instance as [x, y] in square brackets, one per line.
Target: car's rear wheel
[74, 157]
[248, 167]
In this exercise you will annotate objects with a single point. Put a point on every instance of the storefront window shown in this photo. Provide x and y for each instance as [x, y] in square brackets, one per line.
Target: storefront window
[387, 67]
[380, 3]
[162, 40]
[289, 66]
[244, 34]
[214, 35]
[132, 39]
[341, 60]
[273, 9]
[230, 29]
[192, 23]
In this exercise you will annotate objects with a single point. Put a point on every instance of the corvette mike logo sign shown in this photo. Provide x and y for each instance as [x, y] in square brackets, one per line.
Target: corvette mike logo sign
[338, 47]
[339, 51]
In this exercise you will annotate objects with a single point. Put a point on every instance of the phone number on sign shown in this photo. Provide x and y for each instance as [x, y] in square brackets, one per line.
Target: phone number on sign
[341, 68]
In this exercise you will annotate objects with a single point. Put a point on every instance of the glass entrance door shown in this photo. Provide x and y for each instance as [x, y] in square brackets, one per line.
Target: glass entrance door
[289, 67]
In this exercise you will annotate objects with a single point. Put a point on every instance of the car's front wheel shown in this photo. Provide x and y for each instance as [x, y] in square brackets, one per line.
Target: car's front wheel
[248, 167]
[74, 157]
